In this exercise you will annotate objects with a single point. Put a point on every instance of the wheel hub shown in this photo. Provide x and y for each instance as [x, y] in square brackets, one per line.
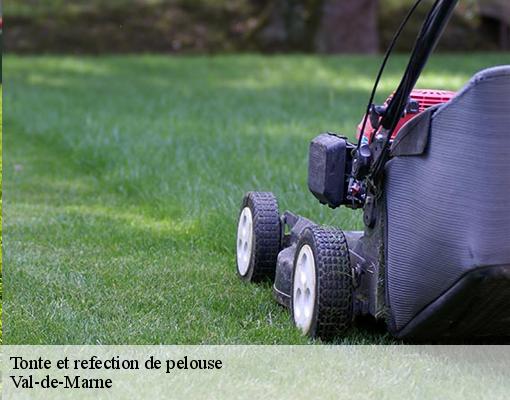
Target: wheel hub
[244, 240]
[304, 289]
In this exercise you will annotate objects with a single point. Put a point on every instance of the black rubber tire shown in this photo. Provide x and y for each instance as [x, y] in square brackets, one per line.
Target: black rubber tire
[333, 308]
[266, 236]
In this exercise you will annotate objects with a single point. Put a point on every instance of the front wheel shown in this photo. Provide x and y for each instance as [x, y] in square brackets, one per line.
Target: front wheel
[322, 286]
[258, 237]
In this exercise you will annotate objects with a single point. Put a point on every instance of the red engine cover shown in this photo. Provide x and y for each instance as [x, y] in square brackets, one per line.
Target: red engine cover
[425, 97]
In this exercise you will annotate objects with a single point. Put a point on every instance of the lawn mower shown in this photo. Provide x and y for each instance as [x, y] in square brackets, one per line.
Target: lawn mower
[430, 173]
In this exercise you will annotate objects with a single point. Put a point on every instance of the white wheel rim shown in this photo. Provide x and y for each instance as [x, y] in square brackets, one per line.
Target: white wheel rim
[303, 301]
[244, 240]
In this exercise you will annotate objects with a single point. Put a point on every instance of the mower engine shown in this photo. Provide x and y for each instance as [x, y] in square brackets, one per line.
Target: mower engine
[419, 101]
[331, 156]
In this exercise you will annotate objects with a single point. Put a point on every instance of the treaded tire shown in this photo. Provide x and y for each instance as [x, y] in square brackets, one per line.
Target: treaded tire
[265, 238]
[333, 306]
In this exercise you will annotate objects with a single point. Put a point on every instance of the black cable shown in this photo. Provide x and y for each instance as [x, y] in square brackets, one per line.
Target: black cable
[390, 120]
[427, 39]
[383, 66]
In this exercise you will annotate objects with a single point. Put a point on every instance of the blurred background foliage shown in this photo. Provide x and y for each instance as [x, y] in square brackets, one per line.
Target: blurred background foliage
[169, 26]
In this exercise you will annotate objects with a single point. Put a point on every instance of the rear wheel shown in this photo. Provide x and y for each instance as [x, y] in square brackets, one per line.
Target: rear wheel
[258, 236]
[322, 283]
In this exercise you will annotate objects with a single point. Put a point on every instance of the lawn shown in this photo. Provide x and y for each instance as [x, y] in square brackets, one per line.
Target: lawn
[123, 177]
[1, 292]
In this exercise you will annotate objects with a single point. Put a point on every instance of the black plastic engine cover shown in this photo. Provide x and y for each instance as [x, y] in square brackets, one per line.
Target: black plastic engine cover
[326, 168]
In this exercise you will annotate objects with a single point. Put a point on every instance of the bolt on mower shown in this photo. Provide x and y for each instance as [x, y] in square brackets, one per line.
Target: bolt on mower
[430, 170]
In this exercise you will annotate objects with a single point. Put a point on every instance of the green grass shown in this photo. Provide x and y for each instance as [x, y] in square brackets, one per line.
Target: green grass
[123, 177]
[1, 292]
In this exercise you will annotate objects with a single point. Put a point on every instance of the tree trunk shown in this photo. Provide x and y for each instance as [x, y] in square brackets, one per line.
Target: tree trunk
[348, 27]
[496, 18]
